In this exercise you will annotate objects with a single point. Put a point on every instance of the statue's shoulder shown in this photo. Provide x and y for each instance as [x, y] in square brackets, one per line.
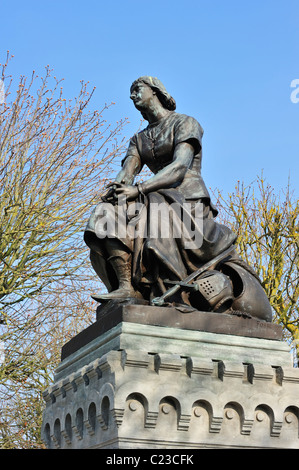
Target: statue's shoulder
[185, 118]
[179, 117]
[188, 122]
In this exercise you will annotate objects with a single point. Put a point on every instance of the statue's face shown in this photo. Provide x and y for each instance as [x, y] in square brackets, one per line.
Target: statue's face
[142, 95]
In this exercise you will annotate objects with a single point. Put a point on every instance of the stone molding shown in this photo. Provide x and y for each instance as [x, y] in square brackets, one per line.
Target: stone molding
[132, 398]
[114, 313]
[154, 339]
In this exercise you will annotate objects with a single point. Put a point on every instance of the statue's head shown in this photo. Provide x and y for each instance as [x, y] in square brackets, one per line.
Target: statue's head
[155, 84]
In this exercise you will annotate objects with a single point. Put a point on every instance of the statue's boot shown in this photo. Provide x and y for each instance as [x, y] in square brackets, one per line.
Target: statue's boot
[121, 264]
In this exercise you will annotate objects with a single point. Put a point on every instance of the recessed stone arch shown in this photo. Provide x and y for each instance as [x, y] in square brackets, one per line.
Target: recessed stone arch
[203, 413]
[92, 416]
[79, 423]
[233, 418]
[263, 422]
[105, 412]
[201, 417]
[57, 432]
[138, 398]
[169, 413]
[170, 401]
[263, 409]
[107, 390]
[292, 409]
[68, 432]
[47, 435]
[135, 410]
[290, 427]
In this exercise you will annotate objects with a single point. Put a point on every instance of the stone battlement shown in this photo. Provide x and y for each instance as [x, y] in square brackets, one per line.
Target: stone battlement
[144, 386]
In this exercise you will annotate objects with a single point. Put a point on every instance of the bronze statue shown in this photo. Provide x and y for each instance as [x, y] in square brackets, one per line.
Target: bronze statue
[206, 275]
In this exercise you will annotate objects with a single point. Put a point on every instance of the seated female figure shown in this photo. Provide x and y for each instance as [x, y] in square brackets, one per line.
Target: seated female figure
[174, 219]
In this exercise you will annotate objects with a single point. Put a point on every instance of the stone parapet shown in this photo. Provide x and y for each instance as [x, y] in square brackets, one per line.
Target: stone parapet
[147, 386]
[154, 339]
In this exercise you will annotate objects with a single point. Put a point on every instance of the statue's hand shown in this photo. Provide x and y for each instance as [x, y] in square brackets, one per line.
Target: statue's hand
[109, 196]
[129, 191]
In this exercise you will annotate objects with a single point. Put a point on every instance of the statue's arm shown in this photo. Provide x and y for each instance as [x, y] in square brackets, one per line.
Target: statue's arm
[173, 173]
[131, 167]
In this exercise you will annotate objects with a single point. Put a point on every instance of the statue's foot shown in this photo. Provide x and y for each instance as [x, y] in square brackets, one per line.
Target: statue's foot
[117, 295]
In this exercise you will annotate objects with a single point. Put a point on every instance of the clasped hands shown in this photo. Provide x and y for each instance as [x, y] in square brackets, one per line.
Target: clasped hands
[120, 189]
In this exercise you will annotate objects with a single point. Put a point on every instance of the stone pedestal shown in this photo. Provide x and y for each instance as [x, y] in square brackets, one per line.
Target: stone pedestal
[131, 381]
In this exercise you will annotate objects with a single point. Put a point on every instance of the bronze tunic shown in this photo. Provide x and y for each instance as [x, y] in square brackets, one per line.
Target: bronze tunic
[156, 258]
[155, 145]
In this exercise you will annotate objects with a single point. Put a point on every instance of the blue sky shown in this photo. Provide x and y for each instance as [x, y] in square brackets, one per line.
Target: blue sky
[228, 63]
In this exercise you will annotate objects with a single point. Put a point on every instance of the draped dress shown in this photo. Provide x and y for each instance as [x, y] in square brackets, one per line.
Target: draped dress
[156, 257]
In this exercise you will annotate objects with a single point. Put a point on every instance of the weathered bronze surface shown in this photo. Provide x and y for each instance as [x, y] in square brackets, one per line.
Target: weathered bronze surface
[164, 271]
[114, 313]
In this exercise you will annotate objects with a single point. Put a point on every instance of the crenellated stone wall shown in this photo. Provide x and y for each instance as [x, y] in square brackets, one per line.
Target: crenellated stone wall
[145, 386]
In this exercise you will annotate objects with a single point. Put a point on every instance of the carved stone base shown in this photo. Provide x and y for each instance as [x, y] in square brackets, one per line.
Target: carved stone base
[148, 386]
